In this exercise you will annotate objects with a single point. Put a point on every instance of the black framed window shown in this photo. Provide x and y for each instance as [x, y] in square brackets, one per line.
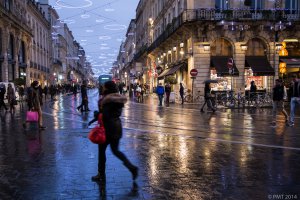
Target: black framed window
[257, 4]
[0, 42]
[222, 4]
[292, 6]
[7, 4]
[21, 56]
[11, 64]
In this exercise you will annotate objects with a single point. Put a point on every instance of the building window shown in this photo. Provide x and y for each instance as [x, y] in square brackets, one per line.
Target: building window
[222, 4]
[292, 6]
[22, 53]
[11, 64]
[257, 4]
[7, 4]
[0, 42]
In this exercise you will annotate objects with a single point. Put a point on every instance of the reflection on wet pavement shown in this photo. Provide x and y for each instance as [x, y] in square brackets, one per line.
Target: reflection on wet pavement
[181, 153]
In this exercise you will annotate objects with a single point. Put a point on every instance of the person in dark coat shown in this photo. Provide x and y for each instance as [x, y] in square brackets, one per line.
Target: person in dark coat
[207, 96]
[84, 99]
[181, 92]
[279, 95]
[168, 92]
[2, 95]
[34, 102]
[295, 98]
[46, 92]
[111, 107]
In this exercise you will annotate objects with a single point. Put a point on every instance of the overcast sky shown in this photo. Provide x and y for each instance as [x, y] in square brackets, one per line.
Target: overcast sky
[98, 25]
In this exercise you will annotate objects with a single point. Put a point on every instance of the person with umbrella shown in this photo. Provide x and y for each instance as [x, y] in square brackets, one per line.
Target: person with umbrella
[207, 96]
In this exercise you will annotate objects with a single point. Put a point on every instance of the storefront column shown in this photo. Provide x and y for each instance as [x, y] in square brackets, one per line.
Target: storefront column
[239, 59]
[202, 64]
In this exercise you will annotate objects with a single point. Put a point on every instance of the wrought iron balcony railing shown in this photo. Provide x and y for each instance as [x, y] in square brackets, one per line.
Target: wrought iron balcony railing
[189, 16]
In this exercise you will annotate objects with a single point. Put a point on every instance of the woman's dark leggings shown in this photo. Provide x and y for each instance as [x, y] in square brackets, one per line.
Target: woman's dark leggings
[114, 145]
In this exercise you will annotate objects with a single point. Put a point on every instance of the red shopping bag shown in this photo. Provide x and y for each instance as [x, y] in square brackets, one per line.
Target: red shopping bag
[32, 116]
[97, 135]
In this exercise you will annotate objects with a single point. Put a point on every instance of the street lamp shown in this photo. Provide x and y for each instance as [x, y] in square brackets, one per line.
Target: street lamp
[244, 47]
[278, 46]
[206, 46]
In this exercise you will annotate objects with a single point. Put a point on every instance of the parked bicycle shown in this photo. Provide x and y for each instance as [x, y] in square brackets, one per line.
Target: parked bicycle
[189, 98]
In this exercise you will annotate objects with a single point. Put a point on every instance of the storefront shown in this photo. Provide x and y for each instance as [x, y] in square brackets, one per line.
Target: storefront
[221, 55]
[257, 65]
[259, 70]
[220, 72]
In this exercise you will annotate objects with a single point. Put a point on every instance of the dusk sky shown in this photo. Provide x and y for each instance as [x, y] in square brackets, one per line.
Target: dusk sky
[99, 26]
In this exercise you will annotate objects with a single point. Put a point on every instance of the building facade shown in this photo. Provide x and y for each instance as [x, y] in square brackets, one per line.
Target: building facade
[40, 48]
[209, 35]
[15, 40]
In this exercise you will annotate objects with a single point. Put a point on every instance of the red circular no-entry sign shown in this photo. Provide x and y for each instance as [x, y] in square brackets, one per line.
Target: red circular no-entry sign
[193, 72]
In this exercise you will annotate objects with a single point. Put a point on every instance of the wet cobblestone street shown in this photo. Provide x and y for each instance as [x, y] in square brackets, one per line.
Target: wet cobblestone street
[181, 154]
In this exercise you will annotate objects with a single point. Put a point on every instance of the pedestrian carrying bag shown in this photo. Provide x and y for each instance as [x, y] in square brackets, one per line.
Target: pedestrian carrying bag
[32, 116]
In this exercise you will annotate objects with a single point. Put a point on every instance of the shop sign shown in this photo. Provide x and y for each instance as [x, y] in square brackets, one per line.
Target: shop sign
[194, 72]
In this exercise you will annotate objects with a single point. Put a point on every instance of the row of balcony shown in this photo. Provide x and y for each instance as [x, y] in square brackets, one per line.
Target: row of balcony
[188, 16]
[39, 67]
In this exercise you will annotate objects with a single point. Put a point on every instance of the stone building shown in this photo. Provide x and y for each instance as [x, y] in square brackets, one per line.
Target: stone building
[15, 40]
[129, 70]
[209, 35]
[40, 44]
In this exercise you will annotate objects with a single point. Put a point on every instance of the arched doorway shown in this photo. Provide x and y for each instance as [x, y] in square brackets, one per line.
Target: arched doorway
[257, 65]
[221, 55]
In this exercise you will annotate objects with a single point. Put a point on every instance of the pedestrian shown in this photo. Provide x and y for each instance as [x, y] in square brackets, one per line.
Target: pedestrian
[253, 90]
[21, 93]
[111, 106]
[11, 96]
[46, 92]
[295, 98]
[160, 92]
[84, 99]
[2, 94]
[138, 92]
[41, 95]
[181, 92]
[168, 92]
[120, 86]
[34, 102]
[75, 90]
[207, 97]
[279, 95]
[52, 92]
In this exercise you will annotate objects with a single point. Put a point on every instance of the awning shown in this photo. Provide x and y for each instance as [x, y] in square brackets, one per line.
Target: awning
[219, 63]
[174, 69]
[163, 74]
[171, 70]
[291, 62]
[260, 66]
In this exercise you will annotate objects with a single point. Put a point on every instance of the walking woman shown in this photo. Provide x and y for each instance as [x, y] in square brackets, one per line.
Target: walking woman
[11, 96]
[181, 92]
[34, 102]
[111, 106]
